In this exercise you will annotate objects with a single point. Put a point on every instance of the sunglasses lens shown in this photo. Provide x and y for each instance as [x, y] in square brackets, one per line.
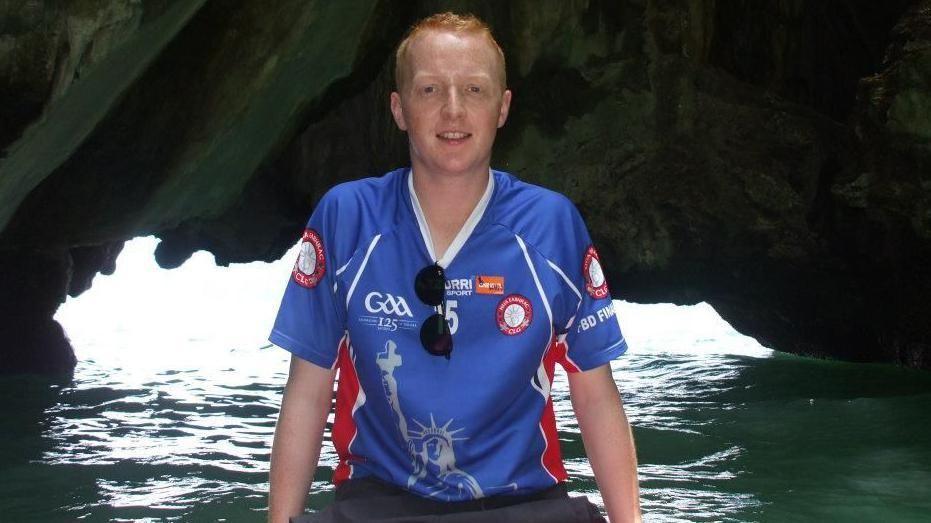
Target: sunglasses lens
[430, 285]
[435, 336]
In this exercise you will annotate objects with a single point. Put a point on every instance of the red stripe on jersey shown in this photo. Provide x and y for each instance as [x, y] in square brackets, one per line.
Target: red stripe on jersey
[562, 356]
[552, 455]
[344, 427]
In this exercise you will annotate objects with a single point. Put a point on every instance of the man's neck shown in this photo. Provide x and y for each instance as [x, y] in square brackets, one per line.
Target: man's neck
[447, 201]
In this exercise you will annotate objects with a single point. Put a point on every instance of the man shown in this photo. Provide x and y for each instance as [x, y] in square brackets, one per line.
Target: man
[444, 295]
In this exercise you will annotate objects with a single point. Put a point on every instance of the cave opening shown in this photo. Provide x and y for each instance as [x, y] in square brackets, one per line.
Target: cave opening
[200, 314]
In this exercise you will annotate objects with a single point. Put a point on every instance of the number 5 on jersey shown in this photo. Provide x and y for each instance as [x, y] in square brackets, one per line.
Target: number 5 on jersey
[451, 316]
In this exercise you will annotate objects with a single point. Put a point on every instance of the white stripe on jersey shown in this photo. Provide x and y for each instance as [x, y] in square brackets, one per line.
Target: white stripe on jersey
[536, 280]
[361, 268]
[338, 272]
[544, 388]
[545, 385]
[566, 278]
[571, 286]
[343, 268]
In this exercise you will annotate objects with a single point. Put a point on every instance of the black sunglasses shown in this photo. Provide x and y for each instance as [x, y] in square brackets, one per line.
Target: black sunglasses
[430, 286]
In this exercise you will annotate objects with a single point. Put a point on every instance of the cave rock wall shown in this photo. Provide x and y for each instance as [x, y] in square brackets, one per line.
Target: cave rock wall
[769, 157]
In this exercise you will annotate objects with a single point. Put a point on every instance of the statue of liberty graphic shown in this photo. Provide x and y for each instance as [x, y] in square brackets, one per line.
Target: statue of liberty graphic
[431, 447]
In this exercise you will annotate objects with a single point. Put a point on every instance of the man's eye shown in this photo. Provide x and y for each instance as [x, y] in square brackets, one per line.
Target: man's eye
[474, 89]
[430, 89]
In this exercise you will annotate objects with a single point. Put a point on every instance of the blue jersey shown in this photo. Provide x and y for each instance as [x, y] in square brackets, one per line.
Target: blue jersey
[524, 291]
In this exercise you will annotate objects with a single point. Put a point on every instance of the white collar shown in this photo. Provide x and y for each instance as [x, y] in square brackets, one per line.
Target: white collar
[464, 232]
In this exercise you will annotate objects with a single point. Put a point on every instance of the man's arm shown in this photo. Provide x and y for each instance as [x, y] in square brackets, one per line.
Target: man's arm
[298, 437]
[608, 441]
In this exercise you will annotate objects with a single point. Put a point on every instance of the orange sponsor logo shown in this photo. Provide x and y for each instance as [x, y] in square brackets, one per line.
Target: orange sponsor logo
[489, 284]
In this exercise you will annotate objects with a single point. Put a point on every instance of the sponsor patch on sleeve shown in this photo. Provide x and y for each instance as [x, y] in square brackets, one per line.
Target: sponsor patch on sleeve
[595, 283]
[311, 261]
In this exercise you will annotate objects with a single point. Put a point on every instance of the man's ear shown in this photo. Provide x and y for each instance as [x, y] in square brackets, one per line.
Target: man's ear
[397, 112]
[505, 107]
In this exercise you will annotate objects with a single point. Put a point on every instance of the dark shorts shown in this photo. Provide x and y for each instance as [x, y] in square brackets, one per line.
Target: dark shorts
[368, 499]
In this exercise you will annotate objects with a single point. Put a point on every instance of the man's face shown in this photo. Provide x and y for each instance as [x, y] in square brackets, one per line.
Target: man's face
[451, 102]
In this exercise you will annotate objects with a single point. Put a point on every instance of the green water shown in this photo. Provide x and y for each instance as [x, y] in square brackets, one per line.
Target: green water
[784, 438]
[720, 438]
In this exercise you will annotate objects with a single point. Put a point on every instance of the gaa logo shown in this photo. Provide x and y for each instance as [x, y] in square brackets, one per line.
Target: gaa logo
[595, 283]
[311, 262]
[376, 302]
[514, 314]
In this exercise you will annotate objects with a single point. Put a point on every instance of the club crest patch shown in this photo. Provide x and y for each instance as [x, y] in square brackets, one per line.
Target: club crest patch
[514, 314]
[311, 261]
[595, 283]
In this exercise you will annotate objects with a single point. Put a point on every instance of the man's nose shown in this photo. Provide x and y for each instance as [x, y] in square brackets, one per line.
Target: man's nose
[453, 107]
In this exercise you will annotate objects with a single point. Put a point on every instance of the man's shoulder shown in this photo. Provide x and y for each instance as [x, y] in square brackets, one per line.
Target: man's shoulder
[372, 191]
[350, 214]
[517, 190]
[546, 220]
[530, 209]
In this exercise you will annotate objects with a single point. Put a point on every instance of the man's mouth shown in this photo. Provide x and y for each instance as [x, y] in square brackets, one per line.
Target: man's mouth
[453, 136]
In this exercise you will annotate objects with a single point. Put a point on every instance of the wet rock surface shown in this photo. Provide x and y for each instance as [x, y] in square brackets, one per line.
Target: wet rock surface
[771, 158]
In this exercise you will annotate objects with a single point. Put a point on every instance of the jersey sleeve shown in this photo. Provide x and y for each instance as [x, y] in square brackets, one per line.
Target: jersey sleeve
[310, 322]
[586, 322]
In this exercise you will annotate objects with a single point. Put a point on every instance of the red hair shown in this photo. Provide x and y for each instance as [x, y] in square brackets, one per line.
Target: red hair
[449, 22]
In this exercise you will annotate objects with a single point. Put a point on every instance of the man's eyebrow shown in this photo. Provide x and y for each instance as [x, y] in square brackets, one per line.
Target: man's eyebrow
[483, 76]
